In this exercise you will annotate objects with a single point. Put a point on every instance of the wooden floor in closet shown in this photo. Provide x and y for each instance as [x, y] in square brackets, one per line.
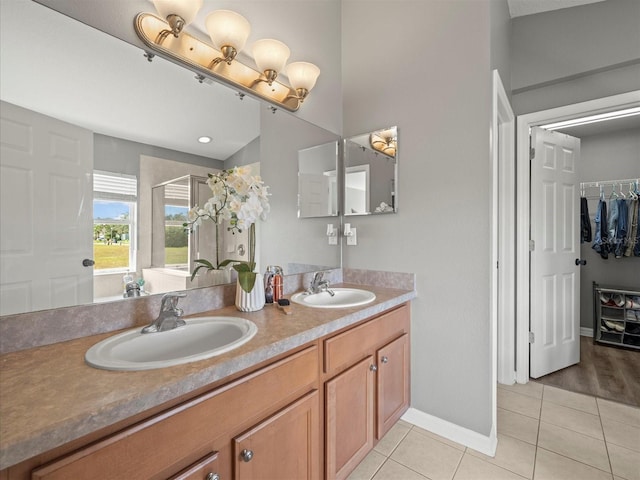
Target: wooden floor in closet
[605, 372]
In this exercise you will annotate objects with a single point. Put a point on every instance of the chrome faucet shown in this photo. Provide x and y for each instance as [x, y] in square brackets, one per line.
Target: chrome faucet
[319, 285]
[169, 316]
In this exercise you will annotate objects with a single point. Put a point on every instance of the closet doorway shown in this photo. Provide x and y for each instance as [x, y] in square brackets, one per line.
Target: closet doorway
[524, 271]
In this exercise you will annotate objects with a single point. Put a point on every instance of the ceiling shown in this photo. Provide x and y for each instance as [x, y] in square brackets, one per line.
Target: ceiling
[32, 74]
[95, 83]
[519, 8]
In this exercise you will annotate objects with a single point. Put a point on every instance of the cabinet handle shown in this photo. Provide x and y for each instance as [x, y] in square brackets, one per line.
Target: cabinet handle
[212, 476]
[373, 368]
[246, 455]
[384, 359]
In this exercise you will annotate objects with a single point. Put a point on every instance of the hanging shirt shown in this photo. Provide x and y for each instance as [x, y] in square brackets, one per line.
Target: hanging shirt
[612, 223]
[633, 230]
[585, 223]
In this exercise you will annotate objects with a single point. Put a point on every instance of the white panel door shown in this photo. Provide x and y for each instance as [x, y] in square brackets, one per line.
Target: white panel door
[555, 277]
[314, 195]
[46, 207]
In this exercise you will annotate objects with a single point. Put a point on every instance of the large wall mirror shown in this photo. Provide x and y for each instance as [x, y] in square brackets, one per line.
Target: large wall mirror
[144, 120]
[318, 181]
[371, 173]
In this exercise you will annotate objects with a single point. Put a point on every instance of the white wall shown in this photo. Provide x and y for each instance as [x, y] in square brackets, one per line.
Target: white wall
[607, 156]
[425, 67]
[575, 54]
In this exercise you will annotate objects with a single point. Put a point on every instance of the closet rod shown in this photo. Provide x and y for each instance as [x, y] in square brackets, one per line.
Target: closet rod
[603, 183]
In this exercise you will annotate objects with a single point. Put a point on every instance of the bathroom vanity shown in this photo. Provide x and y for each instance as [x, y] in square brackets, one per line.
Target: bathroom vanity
[277, 407]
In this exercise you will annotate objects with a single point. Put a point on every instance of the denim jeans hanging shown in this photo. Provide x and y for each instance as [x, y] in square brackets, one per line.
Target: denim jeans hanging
[621, 228]
[601, 240]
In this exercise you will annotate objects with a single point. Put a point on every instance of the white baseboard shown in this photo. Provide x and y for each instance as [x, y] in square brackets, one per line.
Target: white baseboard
[586, 332]
[451, 431]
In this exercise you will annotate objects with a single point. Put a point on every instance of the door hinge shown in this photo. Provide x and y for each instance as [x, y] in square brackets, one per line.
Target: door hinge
[532, 338]
[532, 153]
[532, 245]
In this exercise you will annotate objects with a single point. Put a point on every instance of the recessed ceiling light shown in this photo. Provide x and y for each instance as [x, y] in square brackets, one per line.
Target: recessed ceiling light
[204, 139]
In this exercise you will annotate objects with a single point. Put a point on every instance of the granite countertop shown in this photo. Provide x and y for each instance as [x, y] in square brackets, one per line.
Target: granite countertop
[49, 396]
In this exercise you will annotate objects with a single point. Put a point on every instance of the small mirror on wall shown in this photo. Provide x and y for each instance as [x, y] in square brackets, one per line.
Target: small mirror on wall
[318, 181]
[371, 173]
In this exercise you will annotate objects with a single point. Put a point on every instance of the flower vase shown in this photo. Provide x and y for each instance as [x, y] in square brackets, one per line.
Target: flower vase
[250, 301]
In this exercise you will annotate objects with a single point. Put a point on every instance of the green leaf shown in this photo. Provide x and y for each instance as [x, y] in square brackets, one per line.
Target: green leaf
[246, 279]
[205, 264]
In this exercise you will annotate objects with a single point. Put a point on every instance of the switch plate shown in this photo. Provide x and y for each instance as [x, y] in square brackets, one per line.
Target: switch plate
[353, 238]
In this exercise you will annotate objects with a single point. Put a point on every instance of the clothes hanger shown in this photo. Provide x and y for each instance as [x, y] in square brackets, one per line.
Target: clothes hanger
[621, 193]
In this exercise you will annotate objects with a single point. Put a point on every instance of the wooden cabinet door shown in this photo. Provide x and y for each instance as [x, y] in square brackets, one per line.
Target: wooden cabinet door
[393, 383]
[285, 445]
[349, 418]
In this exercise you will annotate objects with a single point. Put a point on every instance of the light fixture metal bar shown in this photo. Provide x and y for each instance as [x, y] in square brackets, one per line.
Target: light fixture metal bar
[196, 55]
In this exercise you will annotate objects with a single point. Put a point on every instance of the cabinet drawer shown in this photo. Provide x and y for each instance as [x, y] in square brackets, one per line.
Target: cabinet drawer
[348, 347]
[169, 442]
[204, 469]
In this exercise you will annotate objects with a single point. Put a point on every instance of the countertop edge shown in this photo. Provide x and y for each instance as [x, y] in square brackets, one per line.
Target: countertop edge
[70, 430]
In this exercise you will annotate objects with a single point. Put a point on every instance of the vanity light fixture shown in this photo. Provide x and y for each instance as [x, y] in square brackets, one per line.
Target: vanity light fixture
[229, 32]
[385, 141]
[179, 14]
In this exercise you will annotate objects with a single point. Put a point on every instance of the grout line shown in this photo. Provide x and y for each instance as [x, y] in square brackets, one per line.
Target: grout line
[604, 435]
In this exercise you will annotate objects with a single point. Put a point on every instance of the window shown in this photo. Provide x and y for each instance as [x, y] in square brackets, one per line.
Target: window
[114, 222]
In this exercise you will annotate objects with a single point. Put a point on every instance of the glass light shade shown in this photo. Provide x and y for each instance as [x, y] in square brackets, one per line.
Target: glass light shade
[227, 29]
[187, 9]
[302, 75]
[270, 54]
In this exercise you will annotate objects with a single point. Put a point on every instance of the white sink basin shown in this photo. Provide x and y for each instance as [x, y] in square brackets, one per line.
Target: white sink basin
[343, 297]
[199, 339]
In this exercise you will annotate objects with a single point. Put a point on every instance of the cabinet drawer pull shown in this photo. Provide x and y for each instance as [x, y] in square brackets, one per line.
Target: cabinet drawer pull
[373, 368]
[212, 476]
[384, 359]
[246, 455]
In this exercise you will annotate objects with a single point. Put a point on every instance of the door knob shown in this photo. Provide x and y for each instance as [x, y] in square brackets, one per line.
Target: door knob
[212, 476]
[246, 455]
[87, 262]
[384, 359]
[373, 368]
[580, 262]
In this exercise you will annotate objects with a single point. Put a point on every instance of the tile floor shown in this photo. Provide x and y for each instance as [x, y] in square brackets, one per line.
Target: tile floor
[544, 433]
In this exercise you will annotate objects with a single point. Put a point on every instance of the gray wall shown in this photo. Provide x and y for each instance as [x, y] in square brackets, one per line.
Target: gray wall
[436, 89]
[299, 241]
[607, 156]
[123, 156]
[575, 54]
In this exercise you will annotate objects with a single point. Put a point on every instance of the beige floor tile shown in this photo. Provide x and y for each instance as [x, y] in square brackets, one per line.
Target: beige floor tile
[368, 467]
[551, 466]
[517, 426]
[621, 434]
[619, 412]
[586, 403]
[522, 404]
[394, 471]
[513, 454]
[435, 436]
[427, 456]
[531, 389]
[625, 463]
[474, 468]
[391, 440]
[573, 419]
[574, 445]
